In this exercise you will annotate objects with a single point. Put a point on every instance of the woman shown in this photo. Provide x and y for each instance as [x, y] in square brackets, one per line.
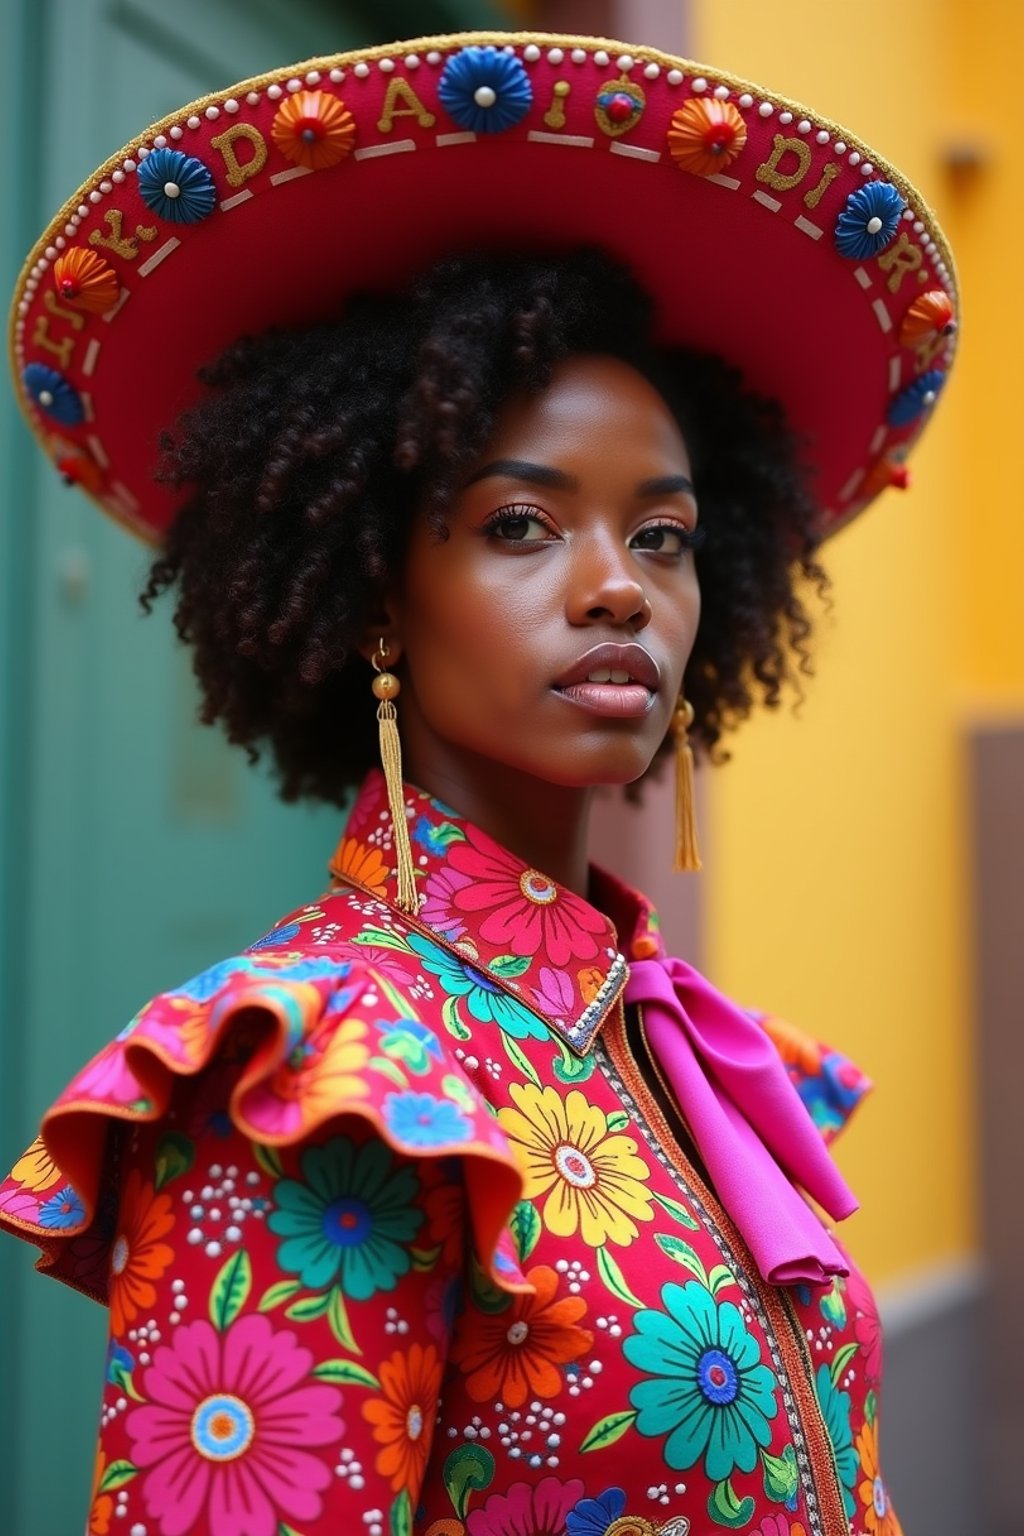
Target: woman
[453, 1204]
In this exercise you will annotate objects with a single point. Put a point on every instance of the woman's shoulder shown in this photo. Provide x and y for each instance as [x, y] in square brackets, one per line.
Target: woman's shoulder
[829, 1083]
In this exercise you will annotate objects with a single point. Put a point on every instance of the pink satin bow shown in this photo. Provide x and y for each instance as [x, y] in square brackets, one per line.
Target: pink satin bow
[756, 1138]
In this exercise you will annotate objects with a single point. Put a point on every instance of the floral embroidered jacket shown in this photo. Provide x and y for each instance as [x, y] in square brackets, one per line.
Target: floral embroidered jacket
[400, 1233]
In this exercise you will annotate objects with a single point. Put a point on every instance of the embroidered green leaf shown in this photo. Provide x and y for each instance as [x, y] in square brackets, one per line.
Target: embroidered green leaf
[468, 1469]
[121, 1376]
[618, 1121]
[274, 1295]
[345, 1373]
[117, 1475]
[780, 1476]
[841, 1361]
[425, 1258]
[510, 966]
[614, 1279]
[287, 1530]
[677, 1212]
[570, 1068]
[401, 1515]
[487, 1296]
[389, 1069]
[458, 1089]
[832, 1306]
[308, 1309]
[726, 1509]
[174, 1156]
[719, 1278]
[683, 1254]
[337, 1316]
[607, 1430]
[382, 938]
[525, 1226]
[230, 1290]
[268, 1159]
[404, 1046]
[871, 1406]
[445, 834]
[519, 1060]
[453, 1019]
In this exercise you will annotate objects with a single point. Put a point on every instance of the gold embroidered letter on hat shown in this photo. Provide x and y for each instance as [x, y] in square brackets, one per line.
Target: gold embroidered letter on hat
[783, 181]
[899, 259]
[554, 117]
[399, 89]
[239, 170]
[41, 335]
[125, 246]
[815, 195]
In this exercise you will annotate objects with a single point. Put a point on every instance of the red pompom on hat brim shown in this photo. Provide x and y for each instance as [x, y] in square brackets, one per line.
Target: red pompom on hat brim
[765, 233]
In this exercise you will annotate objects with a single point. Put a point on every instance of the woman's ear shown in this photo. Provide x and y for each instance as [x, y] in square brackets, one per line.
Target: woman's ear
[382, 632]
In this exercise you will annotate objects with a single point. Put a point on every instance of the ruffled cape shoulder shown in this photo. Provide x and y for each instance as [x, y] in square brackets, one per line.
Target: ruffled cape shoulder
[292, 1036]
[829, 1083]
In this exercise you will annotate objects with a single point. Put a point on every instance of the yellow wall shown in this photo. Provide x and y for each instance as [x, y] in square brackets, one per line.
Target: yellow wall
[837, 877]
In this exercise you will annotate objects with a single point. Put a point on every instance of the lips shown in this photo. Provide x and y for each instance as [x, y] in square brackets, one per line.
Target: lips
[613, 666]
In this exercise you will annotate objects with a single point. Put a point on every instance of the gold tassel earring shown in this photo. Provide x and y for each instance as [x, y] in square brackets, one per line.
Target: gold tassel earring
[687, 857]
[386, 687]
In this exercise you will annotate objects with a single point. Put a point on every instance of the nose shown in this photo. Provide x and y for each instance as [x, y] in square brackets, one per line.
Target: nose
[606, 587]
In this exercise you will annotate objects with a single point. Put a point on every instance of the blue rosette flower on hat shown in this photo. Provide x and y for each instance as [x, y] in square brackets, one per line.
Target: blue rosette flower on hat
[485, 90]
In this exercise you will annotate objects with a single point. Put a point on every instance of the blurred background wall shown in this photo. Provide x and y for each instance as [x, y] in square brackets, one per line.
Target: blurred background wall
[863, 856]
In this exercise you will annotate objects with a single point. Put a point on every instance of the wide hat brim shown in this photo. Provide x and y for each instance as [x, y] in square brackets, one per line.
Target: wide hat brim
[765, 233]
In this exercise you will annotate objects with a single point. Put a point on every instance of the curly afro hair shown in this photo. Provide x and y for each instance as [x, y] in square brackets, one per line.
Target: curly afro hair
[314, 448]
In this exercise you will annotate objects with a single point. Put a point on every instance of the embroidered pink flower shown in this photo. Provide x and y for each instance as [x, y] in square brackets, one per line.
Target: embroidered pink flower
[225, 1435]
[107, 1077]
[526, 911]
[527, 1509]
[867, 1325]
[555, 994]
[440, 895]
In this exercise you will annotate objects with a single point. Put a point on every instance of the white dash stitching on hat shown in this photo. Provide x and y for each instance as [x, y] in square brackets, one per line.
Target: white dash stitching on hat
[852, 484]
[880, 435]
[895, 369]
[576, 140]
[123, 298]
[233, 202]
[397, 148]
[92, 352]
[862, 277]
[725, 181]
[98, 451]
[86, 399]
[882, 314]
[814, 230]
[158, 255]
[768, 202]
[444, 139]
[635, 151]
[292, 174]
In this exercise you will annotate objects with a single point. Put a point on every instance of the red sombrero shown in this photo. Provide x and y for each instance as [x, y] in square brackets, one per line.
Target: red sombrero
[766, 233]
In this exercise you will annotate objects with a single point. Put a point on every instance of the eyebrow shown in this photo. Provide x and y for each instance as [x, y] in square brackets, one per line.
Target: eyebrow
[557, 479]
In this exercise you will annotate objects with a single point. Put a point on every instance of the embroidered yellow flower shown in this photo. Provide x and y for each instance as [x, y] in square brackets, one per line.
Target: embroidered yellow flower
[36, 1169]
[592, 1177]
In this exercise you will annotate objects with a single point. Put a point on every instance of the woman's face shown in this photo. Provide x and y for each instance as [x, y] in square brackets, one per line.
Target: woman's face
[549, 632]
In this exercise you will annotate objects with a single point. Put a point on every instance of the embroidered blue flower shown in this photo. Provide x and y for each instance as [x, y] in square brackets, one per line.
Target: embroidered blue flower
[708, 1390]
[593, 1517]
[485, 999]
[351, 1218]
[62, 1210]
[277, 936]
[423, 1120]
[485, 90]
[176, 186]
[436, 839]
[51, 390]
[869, 220]
[835, 1410]
[409, 1041]
[913, 401]
[120, 1364]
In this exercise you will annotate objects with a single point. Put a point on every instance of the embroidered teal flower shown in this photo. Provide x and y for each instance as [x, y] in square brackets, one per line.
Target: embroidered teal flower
[835, 1410]
[350, 1221]
[484, 998]
[711, 1395]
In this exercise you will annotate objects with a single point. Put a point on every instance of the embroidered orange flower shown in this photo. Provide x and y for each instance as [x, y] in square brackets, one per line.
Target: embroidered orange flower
[101, 1505]
[515, 1354]
[361, 863]
[138, 1256]
[591, 979]
[879, 1518]
[36, 1169]
[403, 1416]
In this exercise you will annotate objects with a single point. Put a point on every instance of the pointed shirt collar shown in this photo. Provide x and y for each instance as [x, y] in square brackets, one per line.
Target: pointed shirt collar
[527, 936]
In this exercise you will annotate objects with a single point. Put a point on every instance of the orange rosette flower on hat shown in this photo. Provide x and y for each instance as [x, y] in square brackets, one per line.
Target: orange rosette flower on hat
[314, 129]
[706, 136]
[84, 280]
